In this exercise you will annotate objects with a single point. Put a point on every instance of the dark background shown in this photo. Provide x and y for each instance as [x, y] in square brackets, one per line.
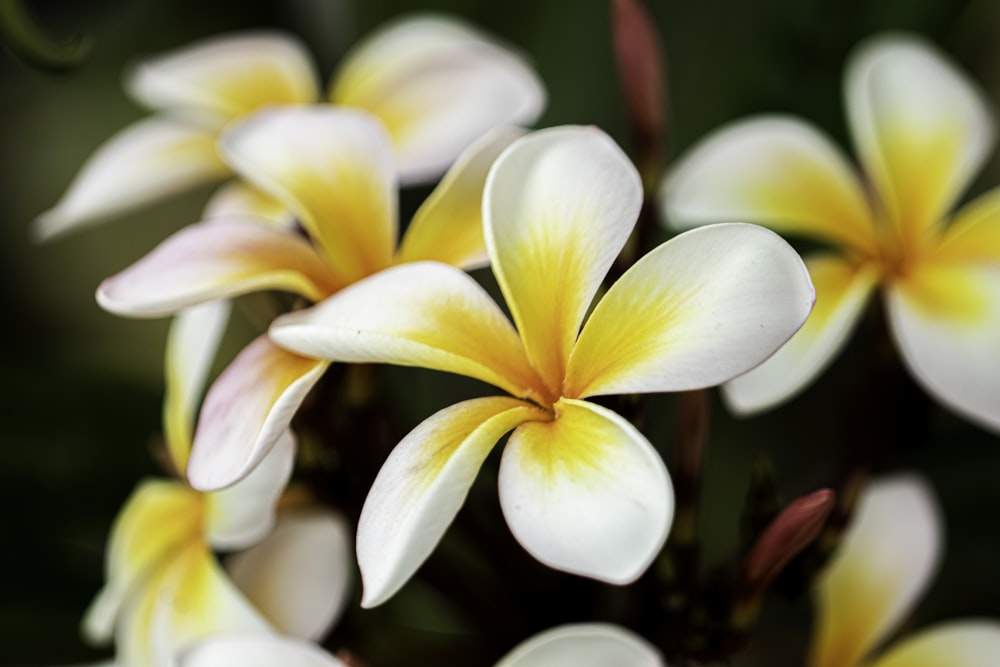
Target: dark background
[81, 389]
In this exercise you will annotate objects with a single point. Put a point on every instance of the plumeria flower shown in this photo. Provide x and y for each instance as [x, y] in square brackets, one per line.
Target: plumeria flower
[581, 488]
[165, 587]
[922, 131]
[884, 564]
[334, 169]
[581, 645]
[435, 83]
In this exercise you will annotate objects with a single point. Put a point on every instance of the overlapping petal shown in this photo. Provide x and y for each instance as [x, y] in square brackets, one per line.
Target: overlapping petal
[775, 171]
[946, 319]
[146, 161]
[437, 85]
[559, 206]
[236, 199]
[448, 226]
[214, 260]
[422, 485]
[447, 323]
[921, 128]
[299, 576]
[334, 169]
[247, 410]
[584, 645]
[974, 234]
[256, 651]
[884, 563]
[192, 342]
[243, 513]
[586, 493]
[842, 290]
[700, 309]
[958, 644]
[222, 78]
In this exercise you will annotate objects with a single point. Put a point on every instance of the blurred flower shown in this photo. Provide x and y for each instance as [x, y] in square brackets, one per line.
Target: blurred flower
[165, 587]
[582, 490]
[333, 168]
[922, 131]
[435, 83]
[884, 564]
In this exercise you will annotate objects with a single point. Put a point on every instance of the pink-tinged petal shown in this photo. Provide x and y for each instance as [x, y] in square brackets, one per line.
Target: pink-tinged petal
[448, 227]
[300, 575]
[921, 127]
[882, 566]
[256, 651]
[222, 78]
[946, 319]
[775, 171]
[437, 85]
[974, 234]
[698, 310]
[559, 206]
[244, 513]
[418, 314]
[216, 260]
[144, 162]
[247, 411]
[192, 343]
[584, 645]
[422, 485]
[969, 643]
[333, 168]
[842, 291]
[185, 601]
[239, 200]
[586, 493]
[156, 521]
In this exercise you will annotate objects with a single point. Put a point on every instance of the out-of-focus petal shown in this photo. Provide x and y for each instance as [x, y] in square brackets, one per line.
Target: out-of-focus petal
[216, 260]
[244, 513]
[247, 410]
[448, 227]
[192, 342]
[586, 493]
[219, 79]
[842, 290]
[584, 645]
[300, 575]
[144, 162]
[559, 206]
[974, 234]
[921, 127]
[702, 308]
[418, 314]
[422, 485]
[946, 319]
[883, 565]
[331, 167]
[158, 518]
[437, 85]
[774, 171]
[237, 199]
[972, 643]
[256, 651]
[189, 599]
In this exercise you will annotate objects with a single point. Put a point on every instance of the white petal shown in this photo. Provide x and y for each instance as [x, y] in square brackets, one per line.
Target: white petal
[144, 162]
[300, 575]
[256, 651]
[586, 493]
[969, 643]
[584, 645]
[237, 199]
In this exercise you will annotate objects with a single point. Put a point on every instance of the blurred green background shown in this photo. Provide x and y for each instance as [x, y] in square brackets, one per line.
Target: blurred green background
[81, 388]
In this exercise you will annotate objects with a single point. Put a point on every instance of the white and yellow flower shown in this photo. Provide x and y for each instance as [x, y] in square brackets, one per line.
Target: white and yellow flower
[165, 587]
[334, 169]
[884, 564]
[922, 131]
[436, 84]
[581, 488]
